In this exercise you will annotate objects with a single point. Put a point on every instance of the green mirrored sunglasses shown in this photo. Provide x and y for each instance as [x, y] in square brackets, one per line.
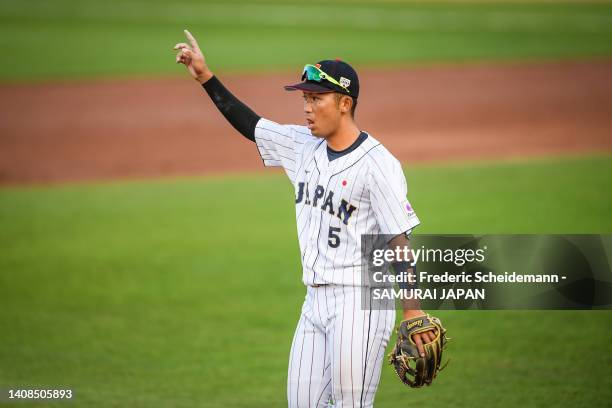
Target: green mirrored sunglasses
[314, 73]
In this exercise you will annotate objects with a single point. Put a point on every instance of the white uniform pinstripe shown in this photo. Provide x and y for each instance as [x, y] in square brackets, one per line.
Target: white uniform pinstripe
[338, 345]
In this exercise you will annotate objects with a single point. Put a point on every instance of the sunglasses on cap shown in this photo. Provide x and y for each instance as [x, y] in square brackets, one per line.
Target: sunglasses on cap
[314, 73]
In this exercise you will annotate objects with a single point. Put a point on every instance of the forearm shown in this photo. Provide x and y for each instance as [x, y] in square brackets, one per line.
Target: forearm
[411, 307]
[240, 116]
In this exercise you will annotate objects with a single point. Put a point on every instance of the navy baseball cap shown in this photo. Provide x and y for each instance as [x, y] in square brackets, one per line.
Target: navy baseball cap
[314, 78]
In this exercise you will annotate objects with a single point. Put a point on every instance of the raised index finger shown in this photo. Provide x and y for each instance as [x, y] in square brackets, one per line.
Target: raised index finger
[192, 40]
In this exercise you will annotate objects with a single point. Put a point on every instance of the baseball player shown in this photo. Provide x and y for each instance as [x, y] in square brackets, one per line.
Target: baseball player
[346, 184]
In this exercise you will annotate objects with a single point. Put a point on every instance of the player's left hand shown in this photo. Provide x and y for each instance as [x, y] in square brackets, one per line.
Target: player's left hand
[420, 338]
[414, 367]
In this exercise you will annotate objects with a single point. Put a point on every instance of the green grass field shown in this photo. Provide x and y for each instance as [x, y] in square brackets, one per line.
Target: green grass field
[186, 292]
[68, 39]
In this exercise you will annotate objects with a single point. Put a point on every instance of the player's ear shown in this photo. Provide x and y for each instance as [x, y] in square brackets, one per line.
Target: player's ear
[342, 104]
[345, 104]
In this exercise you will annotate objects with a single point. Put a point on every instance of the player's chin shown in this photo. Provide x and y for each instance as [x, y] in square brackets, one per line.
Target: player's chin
[316, 134]
[314, 131]
[317, 131]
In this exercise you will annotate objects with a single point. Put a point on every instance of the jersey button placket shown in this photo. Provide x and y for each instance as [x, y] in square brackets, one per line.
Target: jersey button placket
[324, 181]
[315, 224]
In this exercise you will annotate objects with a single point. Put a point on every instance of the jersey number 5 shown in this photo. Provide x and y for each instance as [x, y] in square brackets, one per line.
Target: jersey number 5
[334, 239]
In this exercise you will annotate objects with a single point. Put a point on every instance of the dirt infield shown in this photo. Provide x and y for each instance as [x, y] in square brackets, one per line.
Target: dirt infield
[151, 128]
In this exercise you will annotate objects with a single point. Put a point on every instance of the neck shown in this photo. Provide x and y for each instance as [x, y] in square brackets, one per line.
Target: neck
[344, 136]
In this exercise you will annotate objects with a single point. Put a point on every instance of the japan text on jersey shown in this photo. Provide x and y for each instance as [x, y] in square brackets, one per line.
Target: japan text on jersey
[336, 202]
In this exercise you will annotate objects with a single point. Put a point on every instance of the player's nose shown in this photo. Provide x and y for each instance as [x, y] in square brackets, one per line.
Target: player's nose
[307, 107]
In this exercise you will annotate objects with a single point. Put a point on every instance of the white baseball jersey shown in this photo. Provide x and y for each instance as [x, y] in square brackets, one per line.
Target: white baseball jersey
[338, 346]
[362, 192]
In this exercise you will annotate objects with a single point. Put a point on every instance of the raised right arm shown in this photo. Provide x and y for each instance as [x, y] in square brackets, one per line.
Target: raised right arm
[240, 116]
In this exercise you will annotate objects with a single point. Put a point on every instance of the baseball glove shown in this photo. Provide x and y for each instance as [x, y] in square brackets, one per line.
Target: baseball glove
[412, 369]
